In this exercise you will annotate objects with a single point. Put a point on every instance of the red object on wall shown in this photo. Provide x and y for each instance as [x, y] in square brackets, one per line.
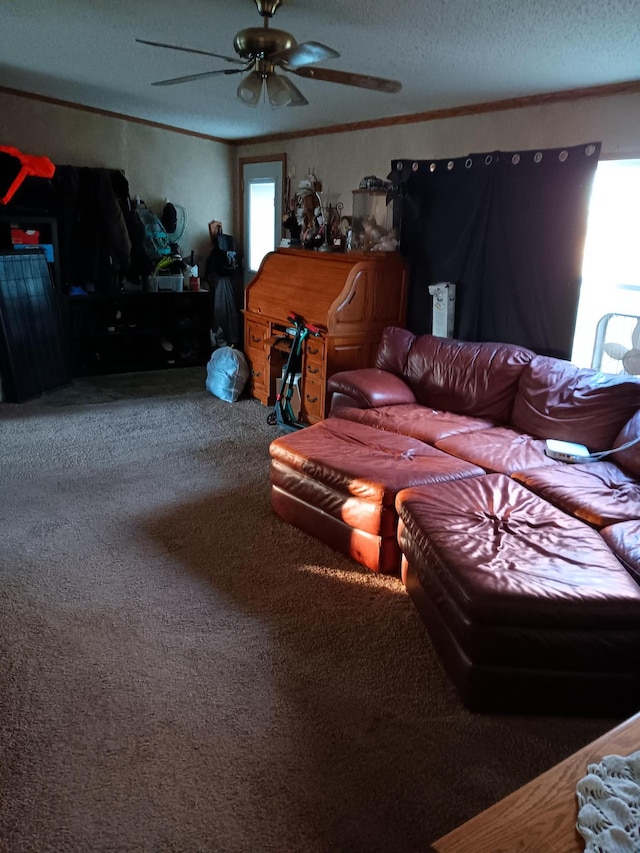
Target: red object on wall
[31, 164]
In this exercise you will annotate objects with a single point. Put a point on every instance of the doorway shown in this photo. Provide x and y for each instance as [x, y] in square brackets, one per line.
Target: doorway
[261, 198]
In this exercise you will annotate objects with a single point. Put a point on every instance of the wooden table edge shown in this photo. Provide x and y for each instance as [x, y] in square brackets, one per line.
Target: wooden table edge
[506, 820]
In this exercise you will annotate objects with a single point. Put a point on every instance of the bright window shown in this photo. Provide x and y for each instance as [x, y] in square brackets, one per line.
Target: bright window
[261, 221]
[611, 266]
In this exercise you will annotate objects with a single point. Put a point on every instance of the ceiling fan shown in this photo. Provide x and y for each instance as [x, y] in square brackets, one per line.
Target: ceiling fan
[262, 50]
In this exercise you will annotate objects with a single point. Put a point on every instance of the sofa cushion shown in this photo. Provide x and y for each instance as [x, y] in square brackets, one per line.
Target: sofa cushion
[414, 420]
[338, 480]
[504, 556]
[500, 450]
[364, 462]
[624, 541]
[478, 379]
[527, 607]
[599, 493]
[556, 399]
[629, 458]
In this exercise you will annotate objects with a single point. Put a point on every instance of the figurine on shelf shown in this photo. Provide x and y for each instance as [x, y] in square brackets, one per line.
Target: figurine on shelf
[308, 211]
[291, 224]
[388, 243]
[367, 232]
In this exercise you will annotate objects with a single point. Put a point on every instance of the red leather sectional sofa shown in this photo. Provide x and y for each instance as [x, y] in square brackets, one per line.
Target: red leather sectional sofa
[526, 570]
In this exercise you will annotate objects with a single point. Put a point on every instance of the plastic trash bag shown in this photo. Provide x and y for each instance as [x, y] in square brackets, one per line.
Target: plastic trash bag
[227, 374]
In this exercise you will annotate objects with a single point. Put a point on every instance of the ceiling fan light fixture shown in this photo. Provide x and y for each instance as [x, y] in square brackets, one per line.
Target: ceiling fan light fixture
[296, 98]
[250, 89]
[262, 50]
[278, 92]
[267, 8]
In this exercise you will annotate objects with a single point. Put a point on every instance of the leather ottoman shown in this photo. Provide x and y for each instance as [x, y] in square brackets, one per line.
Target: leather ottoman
[338, 480]
[527, 607]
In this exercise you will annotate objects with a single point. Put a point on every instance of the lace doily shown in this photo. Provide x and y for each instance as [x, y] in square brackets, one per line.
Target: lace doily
[609, 805]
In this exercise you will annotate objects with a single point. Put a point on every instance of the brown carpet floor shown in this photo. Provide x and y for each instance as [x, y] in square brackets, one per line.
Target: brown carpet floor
[182, 672]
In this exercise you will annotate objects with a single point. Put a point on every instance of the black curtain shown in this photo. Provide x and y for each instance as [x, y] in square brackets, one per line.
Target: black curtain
[508, 228]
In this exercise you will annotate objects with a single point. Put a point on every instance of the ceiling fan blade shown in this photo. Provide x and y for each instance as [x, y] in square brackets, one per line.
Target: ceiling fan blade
[347, 78]
[186, 79]
[233, 59]
[303, 54]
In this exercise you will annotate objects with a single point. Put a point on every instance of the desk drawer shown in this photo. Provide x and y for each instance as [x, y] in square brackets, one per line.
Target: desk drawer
[313, 400]
[314, 348]
[256, 334]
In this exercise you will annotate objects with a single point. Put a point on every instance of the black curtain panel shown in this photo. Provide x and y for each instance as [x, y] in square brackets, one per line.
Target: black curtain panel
[508, 228]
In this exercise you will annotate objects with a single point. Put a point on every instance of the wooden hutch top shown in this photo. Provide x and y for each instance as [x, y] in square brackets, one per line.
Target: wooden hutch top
[340, 292]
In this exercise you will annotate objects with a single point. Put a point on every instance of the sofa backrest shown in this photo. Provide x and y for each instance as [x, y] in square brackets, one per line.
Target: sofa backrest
[556, 399]
[465, 378]
[393, 350]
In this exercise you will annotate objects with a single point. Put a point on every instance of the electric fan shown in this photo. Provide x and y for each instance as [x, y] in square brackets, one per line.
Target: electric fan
[174, 220]
[617, 344]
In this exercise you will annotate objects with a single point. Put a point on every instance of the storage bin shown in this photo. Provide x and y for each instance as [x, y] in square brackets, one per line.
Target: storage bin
[166, 282]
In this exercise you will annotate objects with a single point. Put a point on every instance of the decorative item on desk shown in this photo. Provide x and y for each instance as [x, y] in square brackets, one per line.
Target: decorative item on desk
[372, 221]
[336, 233]
[309, 214]
[331, 228]
[345, 230]
[291, 224]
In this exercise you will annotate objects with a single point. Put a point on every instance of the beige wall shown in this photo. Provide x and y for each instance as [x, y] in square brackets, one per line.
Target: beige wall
[159, 164]
[201, 174]
[340, 161]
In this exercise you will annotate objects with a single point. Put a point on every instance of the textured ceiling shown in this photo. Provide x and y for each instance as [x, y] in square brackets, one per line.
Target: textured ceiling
[446, 54]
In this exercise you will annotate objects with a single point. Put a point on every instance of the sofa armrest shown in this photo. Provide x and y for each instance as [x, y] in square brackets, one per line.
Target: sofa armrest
[368, 387]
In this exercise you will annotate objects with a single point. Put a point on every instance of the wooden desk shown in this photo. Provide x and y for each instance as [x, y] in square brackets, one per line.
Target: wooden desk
[351, 297]
[541, 816]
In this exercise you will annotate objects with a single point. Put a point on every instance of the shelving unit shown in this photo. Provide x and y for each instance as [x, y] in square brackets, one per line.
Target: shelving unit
[138, 331]
[46, 227]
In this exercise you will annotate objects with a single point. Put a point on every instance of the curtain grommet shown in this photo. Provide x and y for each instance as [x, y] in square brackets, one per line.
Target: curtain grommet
[515, 159]
[589, 150]
[450, 165]
[562, 156]
[432, 167]
[488, 160]
[468, 163]
[537, 157]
